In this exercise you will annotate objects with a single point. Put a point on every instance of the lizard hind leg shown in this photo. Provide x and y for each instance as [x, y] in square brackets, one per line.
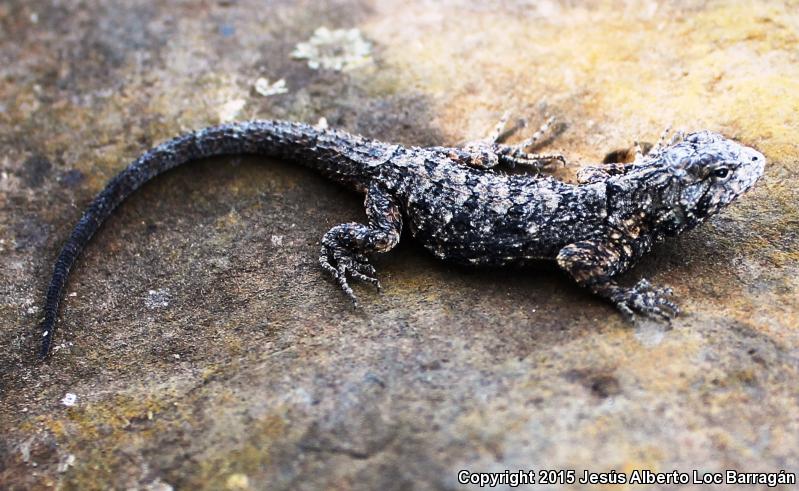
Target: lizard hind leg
[517, 154]
[499, 133]
[346, 247]
[487, 152]
[535, 140]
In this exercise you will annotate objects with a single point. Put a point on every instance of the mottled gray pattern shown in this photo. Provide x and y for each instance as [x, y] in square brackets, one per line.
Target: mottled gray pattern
[462, 210]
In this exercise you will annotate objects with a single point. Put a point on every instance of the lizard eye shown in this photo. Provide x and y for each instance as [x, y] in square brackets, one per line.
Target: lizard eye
[721, 173]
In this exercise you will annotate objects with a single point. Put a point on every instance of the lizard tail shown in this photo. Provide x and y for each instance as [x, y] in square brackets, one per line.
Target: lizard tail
[278, 139]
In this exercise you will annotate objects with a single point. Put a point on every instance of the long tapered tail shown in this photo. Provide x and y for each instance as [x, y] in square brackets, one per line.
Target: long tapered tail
[281, 139]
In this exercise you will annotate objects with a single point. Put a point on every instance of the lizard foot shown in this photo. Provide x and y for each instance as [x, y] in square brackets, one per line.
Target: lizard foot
[646, 300]
[513, 155]
[341, 264]
[345, 247]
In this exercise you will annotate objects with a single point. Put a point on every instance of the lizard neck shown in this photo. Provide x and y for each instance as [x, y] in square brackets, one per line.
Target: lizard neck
[650, 198]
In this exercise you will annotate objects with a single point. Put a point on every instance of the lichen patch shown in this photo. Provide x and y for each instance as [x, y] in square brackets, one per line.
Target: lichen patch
[339, 49]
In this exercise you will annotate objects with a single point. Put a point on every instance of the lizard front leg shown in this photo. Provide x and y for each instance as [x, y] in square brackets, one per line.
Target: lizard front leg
[593, 264]
[345, 247]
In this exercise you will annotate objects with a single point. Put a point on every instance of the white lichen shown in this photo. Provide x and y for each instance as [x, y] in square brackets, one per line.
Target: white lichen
[66, 463]
[158, 485]
[69, 399]
[339, 49]
[238, 481]
[264, 88]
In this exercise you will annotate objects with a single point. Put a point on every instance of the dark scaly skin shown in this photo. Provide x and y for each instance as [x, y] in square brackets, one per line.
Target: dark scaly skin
[461, 210]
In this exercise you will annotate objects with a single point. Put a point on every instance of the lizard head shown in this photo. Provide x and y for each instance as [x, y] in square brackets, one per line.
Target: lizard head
[705, 172]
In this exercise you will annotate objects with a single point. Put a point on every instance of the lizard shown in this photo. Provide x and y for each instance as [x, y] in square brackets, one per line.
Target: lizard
[457, 203]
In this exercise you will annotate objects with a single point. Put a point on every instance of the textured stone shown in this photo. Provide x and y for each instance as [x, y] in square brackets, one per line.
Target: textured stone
[205, 347]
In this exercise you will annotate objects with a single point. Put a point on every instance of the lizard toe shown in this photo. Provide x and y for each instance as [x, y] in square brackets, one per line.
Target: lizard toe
[324, 261]
[648, 301]
[364, 271]
[341, 270]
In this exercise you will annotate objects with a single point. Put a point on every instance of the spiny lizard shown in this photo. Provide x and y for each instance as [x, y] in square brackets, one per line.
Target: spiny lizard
[461, 209]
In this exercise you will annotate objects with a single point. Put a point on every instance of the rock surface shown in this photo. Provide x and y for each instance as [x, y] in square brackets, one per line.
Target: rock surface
[203, 348]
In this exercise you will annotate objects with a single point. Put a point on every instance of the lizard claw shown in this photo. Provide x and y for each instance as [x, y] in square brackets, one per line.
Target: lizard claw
[343, 265]
[360, 269]
[647, 300]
